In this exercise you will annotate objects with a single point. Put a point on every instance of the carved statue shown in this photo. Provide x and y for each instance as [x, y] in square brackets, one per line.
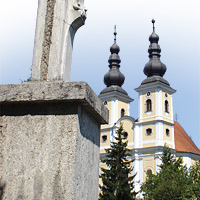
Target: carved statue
[57, 23]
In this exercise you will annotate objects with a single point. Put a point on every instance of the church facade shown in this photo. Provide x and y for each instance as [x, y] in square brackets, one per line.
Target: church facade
[155, 126]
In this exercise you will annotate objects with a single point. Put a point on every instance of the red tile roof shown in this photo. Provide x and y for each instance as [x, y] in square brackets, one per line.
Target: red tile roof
[183, 143]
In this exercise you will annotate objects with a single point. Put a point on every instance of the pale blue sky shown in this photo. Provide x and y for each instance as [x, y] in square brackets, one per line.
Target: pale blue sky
[177, 24]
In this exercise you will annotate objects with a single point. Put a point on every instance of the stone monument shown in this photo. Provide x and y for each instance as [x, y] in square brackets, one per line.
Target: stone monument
[57, 23]
[50, 128]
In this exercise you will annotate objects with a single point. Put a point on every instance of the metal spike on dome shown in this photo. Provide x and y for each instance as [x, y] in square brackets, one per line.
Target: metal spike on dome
[153, 21]
[115, 33]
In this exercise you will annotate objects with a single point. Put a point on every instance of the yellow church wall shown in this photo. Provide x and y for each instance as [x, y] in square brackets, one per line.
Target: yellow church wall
[148, 163]
[106, 126]
[168, 120]
[144, 99]
[122, 105]
[149, 119]
[149, 137]
[165, 114]
[149, 144]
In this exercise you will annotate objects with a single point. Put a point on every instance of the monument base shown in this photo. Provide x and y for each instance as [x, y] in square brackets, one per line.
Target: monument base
[49, 140]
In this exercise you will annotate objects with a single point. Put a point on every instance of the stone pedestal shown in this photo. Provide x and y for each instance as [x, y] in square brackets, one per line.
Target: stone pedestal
[49, 141]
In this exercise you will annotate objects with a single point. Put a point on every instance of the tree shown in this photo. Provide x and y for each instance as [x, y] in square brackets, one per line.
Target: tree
[117, 181]
[194, 174]
[171, 182]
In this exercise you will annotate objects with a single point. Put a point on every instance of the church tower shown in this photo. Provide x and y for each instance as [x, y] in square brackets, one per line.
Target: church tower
[155, 101]
[155, 126]
[115, 98]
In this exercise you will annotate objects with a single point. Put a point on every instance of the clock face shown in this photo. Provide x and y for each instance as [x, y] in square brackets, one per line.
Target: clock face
[166, 95]
[148, 94]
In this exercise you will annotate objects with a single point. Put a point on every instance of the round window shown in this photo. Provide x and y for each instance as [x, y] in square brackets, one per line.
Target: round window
[125, 134]
[148, 94]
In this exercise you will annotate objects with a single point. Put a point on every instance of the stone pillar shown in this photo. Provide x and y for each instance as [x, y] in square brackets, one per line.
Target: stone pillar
[57, 23]
[49, 141]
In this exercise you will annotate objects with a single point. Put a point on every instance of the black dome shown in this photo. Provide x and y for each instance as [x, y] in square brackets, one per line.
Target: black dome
[114, 76]
[154, 66]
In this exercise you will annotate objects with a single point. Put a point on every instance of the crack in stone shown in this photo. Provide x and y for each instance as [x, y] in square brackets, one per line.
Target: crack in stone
[47, 39]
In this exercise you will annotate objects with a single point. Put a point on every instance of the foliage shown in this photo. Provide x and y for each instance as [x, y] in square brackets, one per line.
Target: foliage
[171, 182]
[194, 186]
[117, 181]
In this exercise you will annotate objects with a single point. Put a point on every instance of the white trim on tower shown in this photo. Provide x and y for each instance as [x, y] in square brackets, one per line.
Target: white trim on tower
[159, 102]
[140, 106]
[172, 112]
[159, 134]
[114, 110]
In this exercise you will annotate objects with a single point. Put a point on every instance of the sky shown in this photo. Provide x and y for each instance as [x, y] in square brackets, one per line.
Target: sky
[177, 24]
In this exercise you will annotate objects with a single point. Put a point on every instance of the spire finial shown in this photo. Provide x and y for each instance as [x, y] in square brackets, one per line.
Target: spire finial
[153, 21]
[115, 33]
[154, 67]
[114, 77]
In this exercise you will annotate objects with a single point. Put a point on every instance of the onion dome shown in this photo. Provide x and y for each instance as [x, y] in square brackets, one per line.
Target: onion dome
[114, 76]
[154, 66]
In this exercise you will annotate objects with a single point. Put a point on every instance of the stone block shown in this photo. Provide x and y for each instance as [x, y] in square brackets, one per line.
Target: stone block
[49, 140]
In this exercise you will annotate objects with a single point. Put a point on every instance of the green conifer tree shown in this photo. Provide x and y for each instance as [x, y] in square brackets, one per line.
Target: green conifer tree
[117, 178]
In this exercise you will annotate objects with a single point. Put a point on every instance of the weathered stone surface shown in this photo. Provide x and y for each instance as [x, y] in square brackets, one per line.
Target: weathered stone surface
[49, 141]
[35, 92]
[57, 23]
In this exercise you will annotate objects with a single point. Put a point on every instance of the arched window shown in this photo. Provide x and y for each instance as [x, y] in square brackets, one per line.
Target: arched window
[167, 132]
[122, 112]
[148, 105]
[148, 131]
[149, 171]
[166, 106]
[104, 138]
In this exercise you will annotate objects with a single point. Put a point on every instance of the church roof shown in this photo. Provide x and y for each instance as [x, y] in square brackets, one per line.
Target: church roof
[183, 142]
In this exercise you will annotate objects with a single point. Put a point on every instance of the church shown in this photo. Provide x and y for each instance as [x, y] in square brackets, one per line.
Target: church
[155, 125]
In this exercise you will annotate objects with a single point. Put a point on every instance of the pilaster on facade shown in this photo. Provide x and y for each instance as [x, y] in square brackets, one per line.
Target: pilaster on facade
[138, 136]
[140, 107]
[138, 165]
[114, 110]
[159, 134]
[128, 112]
[173, 140]
[158, 161]
[159, 104]
[172, 110]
